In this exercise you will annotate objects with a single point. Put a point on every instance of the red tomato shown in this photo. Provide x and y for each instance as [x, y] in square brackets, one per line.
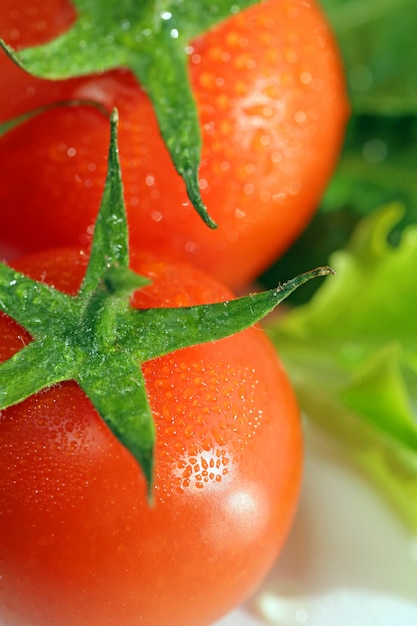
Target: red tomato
[79, 544]
[271, 97]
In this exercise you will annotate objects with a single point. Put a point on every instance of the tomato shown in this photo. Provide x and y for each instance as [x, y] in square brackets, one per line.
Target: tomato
[80, 544]
[271, 98]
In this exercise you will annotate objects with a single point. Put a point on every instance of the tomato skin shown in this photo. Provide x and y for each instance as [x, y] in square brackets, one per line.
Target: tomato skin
[271, 97]
[78, 541]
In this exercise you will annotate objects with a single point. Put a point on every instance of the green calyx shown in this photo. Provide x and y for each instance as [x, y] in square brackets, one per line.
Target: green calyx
[151, 39]
[97, 339]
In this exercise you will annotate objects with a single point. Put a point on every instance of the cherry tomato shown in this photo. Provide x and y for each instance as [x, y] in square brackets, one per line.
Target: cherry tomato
[271, 97]
[79, 543]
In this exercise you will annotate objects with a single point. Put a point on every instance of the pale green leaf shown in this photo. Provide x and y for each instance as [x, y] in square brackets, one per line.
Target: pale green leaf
[351, 353]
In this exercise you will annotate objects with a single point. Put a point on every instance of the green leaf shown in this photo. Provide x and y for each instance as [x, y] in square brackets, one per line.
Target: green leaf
[351, 353]
[98, 340]
[151, 39]
[378, 391]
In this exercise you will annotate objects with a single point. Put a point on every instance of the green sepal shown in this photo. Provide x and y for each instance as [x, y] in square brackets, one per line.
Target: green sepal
[31, 303]
[120, 398]
[97, 339]
[109, 247]
[30, 370]
[168, 329]
[150, 38]
[8, 125]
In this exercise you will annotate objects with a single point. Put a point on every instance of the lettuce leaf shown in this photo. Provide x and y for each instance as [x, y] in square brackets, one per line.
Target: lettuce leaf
[351, 353]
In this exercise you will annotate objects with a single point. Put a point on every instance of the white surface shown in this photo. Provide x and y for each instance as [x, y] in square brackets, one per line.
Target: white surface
[348, 562]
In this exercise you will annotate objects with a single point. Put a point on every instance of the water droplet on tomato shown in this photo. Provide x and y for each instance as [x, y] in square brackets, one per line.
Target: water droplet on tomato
[306, 78]
[192, 247]
[276, 157]
[156, 216]
[300, 117]
[294, 187]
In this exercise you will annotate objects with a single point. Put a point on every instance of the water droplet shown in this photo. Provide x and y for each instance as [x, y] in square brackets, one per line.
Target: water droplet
[306, 78]
[278, 197]
[250, 168]
[291, 56]
[294, 187]
[300, 117]
[14, 34]
[265, 140]
[192, 247]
